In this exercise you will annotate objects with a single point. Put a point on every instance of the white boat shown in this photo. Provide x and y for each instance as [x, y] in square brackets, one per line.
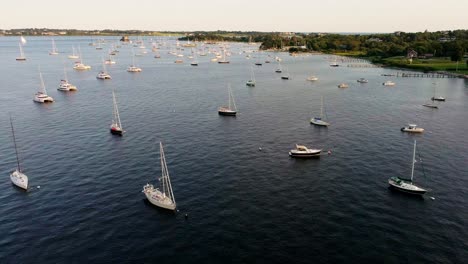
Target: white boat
[231, 109]
[224, 60]
[65, 85]
[103, 75]
[312, 78]
[73, 55]
[79, 65]
[412, 128]
[251, 82]
[303, 152]
[362, 80]
[116, 126]
[407, 185]
[21, 56]
[133, 67]
[388, 83]
[343, 85]
[41, 96]
[279, 69]
[194, 61]
[163, 197]
[334, 64]
[437, 98]
[17, 177]
[318, 121]
[54, 50]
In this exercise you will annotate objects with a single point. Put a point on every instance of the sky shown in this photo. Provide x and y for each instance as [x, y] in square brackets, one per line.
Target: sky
[238, 15]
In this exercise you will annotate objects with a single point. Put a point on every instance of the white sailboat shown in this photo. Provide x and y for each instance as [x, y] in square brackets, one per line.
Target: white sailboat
[251, 82]
[17, 177]
[41, 96]
[54, 50]
[73, 55]
[116, 126]
[103, 75]
[285, 76]
[163, 198]
[231, 109]
[279, 69]
[79, 65]
[318, 121]
[407, 185]
[437, 98]
[64, 84]
[133, 67]
[224, 60]
[21, 56]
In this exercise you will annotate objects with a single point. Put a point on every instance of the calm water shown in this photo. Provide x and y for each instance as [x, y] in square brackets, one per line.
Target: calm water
[244, 205]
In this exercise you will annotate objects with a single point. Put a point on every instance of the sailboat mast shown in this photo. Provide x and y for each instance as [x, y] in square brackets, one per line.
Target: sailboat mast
[167, 188]
[14, 142]
[229, 96]
[21, 50]
[42, 83]
[163, 169]
[116, 111]
[321, 107]
[414, 161]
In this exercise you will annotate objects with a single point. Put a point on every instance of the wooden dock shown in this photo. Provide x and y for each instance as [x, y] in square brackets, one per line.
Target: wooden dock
[426, 75]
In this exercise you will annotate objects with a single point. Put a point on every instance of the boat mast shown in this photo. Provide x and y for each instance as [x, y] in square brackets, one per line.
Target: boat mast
[116, 112]
[413, 162]
[42, 83]
[14, 142]
[321, 107]
[21, 50]
[167, 188]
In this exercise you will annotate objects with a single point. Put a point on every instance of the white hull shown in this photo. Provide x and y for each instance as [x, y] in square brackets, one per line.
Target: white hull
[319, 122]
[158, 198]
[43, 99]
[19, 179]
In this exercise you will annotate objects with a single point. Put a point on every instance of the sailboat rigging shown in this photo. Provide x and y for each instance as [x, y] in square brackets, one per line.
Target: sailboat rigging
[17, 177]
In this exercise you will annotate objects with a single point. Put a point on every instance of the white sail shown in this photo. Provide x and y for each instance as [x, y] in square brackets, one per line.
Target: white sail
[23, 40]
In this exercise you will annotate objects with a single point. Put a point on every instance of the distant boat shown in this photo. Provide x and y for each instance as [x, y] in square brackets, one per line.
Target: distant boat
[437, 98]
[224, 60]
[251, 82]
[163, 198]
[286, 75]
[412, 128]
[388, 83]
[312, 78]
[362, 80]
[41, 96]
[116, 126]
[54, 50]
[407, 185]
[103, 75]
[343, 85]
[64, 84]
[334, 64]
[21, 56]
[79, 65]
[73, 55]
[279, 69]
[303, 152]
[231, 109]
[17, 177]
[133, 68]
[194, 61]
[318, 121]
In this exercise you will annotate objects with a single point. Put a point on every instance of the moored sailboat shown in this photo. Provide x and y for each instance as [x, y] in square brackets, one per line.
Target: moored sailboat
[407, 185]
[41, 96]
[17, 177]
[318, 121]
[163, 198]
[116, 126]
[231, 109]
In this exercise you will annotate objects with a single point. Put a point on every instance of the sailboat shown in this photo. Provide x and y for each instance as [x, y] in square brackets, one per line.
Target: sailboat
[73, 55]
[231, 109]
[163, 198]
[54, 49]
[64, 84]
[406, 185]
[41, 96]
[437, 98]
[116, 126]
[279, 69]
[251, 82]
[79, 65]
[318, 121]
[285, 76]
[103, 75]
[133, 68]
[17, 177]
[194, 61]
[21, 56]
[223, 61]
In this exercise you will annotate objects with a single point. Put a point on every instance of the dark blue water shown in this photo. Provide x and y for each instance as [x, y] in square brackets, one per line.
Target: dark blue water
[244, 205]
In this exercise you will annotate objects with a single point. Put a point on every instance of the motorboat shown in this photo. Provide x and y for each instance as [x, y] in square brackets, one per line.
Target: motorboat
[103, 76]
[303, 152]
[343, 85]
[412, 128]
[362, 80]
[388, 83]
[312, 78]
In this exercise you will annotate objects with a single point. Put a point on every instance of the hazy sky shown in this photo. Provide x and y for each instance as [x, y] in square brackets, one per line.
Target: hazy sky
[243, 15]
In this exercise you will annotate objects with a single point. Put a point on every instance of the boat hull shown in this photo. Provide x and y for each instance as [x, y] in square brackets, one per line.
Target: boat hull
[409, 130]
[21, 59]
[304, 155]
[438, 99]
[116, 132]
[414, 190]
[155, 197]
[19, 179]
[319, 122]
[227, 113]
[284, 77]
